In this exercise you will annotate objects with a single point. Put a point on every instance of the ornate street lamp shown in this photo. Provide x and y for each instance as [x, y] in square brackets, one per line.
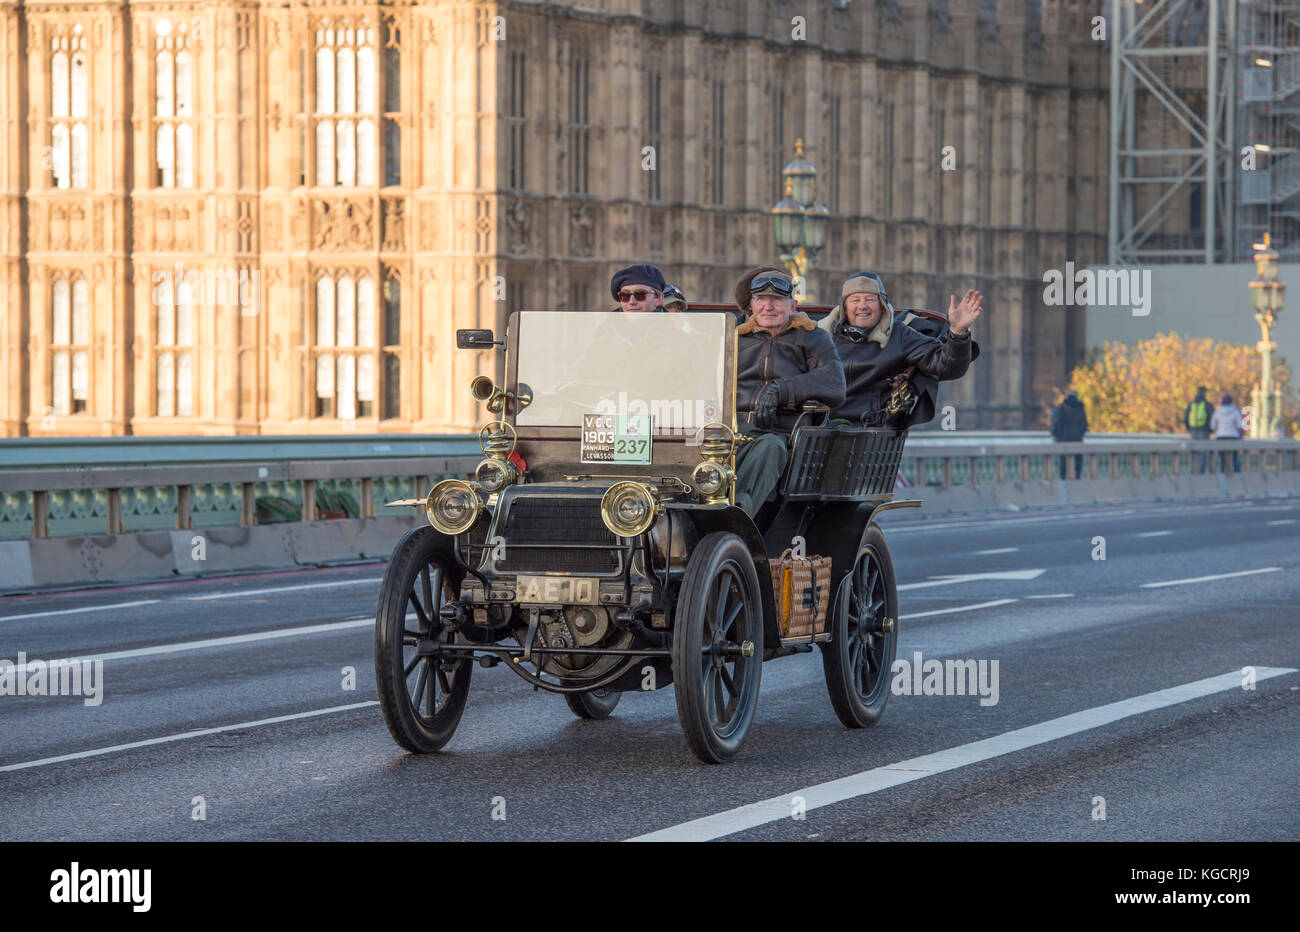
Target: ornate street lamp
[799, 221]
[1267, 296]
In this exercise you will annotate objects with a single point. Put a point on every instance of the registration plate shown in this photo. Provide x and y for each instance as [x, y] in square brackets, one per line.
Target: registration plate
[555, 590]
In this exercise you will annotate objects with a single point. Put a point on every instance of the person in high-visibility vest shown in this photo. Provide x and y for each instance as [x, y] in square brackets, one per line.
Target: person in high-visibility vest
[1197, 418]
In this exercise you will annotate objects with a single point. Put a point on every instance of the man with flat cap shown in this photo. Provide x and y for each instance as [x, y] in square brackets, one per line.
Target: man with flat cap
[638, 288]
[783, 360]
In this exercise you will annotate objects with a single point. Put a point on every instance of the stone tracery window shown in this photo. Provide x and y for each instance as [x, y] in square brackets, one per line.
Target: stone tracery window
[516, 116]
[579, 126]
[69, 98]
[70, 345]
[346, 346]
[173, 106]
[173, 347]
[346, 106]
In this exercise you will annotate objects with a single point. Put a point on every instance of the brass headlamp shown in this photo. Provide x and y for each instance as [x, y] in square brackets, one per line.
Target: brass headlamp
[453, 506]
[628, 508]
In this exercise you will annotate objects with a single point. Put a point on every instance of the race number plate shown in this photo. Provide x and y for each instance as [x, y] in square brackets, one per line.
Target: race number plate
[617, 438]
[557, 590]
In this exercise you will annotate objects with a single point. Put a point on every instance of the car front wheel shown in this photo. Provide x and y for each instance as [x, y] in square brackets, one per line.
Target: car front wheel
[421, 691]
[717, 649]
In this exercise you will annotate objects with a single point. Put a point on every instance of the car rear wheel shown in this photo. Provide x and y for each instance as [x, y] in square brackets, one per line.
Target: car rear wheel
[717, 649]
[864, 635]
[421, 692]
[598, 703]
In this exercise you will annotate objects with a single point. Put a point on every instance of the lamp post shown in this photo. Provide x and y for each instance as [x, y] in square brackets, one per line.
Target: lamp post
[1267, 296]
[799, 220]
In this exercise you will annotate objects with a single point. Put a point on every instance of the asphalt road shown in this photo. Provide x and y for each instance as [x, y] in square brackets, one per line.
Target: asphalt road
[1110, 692]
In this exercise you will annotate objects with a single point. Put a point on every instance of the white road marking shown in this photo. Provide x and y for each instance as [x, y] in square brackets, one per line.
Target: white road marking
[778, 808]
[1155, 533]
[1054, 595]
[1280, 521]
[985, 553]
[973, 577]
[993, 521]
[1196, 579]
[97, 752]
[219, 642]
[956, 608]
[990, 523]
[243, 592]
[74, 611]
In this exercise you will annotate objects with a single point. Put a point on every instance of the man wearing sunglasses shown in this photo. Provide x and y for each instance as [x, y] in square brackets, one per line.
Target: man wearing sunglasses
[638, 288]
[783, 361]
[876, 348]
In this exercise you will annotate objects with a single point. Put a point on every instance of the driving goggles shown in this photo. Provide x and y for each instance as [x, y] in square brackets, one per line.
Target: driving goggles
[782, 286]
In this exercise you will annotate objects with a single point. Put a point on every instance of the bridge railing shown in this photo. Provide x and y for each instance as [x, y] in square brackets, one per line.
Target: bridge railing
[113, 499]
[59, 501]
[935, 463]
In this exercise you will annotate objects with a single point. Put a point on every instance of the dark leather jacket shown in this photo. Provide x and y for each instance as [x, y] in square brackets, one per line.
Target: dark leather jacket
[868, 366]
[801, 360]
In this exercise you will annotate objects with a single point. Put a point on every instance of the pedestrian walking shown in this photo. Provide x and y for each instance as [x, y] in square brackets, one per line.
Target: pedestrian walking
[1227, 424]
[1197, 419]
[1069, 424]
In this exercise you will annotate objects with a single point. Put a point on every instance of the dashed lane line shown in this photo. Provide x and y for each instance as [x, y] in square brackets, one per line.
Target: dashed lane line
[166, 739]
[206, 643]
[956, 608]
[1201, 579]
[372, 581]
[77, 611]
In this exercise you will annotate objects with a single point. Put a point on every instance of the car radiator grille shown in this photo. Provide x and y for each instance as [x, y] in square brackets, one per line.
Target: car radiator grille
[549, 533]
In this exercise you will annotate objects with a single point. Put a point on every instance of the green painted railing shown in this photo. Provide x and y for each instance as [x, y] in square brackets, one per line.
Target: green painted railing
[98, 485]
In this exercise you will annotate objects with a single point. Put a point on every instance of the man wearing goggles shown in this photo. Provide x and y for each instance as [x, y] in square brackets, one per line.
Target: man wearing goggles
[889, 366]
[783, 360]
[638, 288]
[674, 300]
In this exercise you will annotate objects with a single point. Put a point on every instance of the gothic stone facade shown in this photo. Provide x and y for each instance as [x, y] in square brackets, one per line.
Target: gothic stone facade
[241, 217]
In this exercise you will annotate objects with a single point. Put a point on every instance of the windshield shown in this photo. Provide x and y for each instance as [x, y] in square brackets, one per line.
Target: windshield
[671, 367]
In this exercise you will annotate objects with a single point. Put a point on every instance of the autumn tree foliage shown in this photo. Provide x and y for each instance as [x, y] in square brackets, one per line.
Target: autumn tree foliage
[1145, 388]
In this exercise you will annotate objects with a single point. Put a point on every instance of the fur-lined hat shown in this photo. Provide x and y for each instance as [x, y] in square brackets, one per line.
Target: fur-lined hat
[863, 283]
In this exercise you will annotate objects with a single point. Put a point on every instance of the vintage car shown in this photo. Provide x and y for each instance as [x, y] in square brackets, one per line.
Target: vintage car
[598, 548]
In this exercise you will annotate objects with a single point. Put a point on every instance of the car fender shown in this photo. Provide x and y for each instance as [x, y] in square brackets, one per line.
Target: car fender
[710, 518]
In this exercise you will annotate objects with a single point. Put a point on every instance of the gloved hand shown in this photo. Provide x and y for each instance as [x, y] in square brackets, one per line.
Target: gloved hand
[766, 405]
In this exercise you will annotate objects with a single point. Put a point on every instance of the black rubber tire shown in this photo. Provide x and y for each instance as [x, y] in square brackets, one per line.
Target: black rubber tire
[598, 703]
[699, 680]
[858, 661]
[411, 584]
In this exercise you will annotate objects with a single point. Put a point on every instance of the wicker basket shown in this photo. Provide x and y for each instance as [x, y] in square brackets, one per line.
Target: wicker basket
[801, 587]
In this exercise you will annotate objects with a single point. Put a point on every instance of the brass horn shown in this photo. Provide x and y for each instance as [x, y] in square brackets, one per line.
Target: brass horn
[482, 388]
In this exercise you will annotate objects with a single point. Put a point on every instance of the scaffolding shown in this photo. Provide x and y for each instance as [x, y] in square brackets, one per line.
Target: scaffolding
[1171, 131]
[1269, 127]
[1205, 130]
